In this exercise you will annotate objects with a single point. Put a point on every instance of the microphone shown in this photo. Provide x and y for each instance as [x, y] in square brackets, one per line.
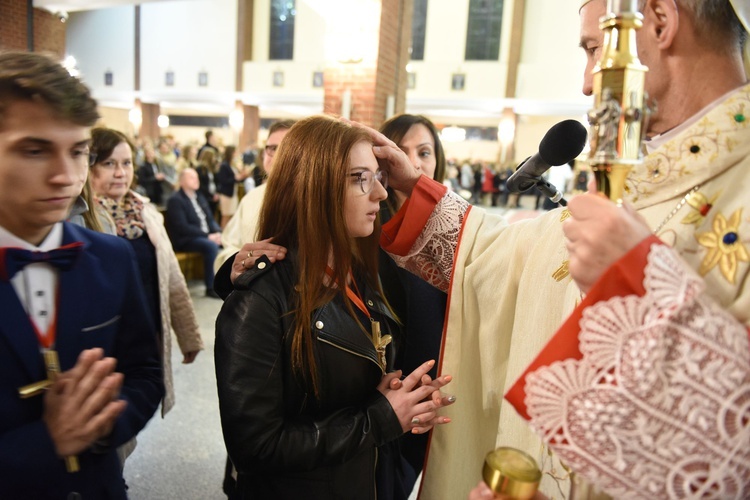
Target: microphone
[561, 144]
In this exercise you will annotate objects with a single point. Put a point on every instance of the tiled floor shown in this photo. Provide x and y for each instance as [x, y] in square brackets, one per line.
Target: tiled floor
[182, 455]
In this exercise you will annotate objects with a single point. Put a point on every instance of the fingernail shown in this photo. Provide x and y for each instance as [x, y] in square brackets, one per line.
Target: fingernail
[451, 399]
[415, 420]
[376, 149]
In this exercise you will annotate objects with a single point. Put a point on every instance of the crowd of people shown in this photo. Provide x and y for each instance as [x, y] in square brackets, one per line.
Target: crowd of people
[350, 357]
[484, 184]
[221, 168]
[195, 189]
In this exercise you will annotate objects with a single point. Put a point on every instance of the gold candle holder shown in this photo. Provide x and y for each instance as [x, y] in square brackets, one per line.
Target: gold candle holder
[511, 473]
[620, 115]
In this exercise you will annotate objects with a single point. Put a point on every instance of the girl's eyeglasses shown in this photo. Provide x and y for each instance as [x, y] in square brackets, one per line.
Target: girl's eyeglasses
[367, 179]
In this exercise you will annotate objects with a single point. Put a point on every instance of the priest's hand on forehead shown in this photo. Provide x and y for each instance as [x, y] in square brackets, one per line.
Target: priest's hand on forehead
[403, 176]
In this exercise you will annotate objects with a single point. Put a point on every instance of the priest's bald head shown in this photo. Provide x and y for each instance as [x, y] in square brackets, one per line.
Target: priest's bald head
[693, 49]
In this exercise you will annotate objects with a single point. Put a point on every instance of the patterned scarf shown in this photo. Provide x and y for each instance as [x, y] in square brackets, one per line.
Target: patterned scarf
[127, 214]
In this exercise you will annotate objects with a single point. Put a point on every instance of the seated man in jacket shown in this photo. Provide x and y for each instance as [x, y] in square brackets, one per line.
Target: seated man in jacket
[191, 226]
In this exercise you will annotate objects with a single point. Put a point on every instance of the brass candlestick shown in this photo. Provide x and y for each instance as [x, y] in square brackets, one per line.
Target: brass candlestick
[620, 115]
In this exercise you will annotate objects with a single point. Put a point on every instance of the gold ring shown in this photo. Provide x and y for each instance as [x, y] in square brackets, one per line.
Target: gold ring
[249, 253]
[243, 263]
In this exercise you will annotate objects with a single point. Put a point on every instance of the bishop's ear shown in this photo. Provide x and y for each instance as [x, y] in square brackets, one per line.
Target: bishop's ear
[661, 21]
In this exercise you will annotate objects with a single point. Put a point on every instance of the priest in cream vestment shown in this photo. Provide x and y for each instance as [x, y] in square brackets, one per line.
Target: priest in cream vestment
[510, 289]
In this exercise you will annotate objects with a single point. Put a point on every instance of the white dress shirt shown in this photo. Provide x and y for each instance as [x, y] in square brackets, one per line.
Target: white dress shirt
[36, 284]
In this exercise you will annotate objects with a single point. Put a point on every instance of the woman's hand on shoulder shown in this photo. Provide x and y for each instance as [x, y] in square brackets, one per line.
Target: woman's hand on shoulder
[416, 399]
[250, 252]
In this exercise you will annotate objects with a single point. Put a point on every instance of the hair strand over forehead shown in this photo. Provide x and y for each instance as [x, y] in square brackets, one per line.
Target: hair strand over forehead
[38, 78]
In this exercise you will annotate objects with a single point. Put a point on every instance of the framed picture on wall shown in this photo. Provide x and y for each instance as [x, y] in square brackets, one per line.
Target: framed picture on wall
[108, 78]
[169, 78]
[278, 78]
[203, 79]
[458, 80]
[411, 80]
[317, 81]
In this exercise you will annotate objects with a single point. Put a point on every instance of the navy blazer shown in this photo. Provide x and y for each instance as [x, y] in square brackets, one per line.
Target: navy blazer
[183, 224]
[225, 180]
[100, 304]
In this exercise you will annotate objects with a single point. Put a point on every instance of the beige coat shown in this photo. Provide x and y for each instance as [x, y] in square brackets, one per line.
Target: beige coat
[175, 304]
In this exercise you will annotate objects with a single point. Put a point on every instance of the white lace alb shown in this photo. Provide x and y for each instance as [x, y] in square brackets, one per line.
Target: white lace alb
[659, 405]
[431, 256]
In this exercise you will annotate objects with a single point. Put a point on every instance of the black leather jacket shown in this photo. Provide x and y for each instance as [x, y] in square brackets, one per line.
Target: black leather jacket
[283, 442]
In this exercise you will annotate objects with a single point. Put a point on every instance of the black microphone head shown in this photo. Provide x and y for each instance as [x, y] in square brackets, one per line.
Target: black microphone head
[563, 142]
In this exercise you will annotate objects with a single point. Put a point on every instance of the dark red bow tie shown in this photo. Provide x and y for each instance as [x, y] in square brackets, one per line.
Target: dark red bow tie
[14, 259]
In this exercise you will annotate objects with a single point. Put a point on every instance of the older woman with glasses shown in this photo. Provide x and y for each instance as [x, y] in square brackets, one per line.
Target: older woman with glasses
[303, 351]
[140, 223]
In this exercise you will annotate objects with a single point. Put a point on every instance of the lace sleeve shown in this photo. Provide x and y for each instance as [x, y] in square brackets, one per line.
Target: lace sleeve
[431, 256]
[659, 405]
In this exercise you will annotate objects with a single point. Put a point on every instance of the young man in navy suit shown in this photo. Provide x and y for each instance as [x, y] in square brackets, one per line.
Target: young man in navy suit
[65, 292]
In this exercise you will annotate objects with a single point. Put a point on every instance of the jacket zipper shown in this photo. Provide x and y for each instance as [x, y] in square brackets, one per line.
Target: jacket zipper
[352, 352]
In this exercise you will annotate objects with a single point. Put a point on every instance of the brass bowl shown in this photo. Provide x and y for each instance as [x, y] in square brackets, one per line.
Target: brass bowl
[511, 473]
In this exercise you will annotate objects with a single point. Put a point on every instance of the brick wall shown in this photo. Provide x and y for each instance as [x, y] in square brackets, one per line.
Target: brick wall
[360, 81]
[49, 32]
[393, 56]
[371, 86]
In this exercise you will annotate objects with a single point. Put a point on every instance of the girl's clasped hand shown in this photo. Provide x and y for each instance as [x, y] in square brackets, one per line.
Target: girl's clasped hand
[417, 398]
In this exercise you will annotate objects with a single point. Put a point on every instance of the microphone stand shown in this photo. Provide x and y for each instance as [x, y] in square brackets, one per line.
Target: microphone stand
[550, 191]
[543, 185]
